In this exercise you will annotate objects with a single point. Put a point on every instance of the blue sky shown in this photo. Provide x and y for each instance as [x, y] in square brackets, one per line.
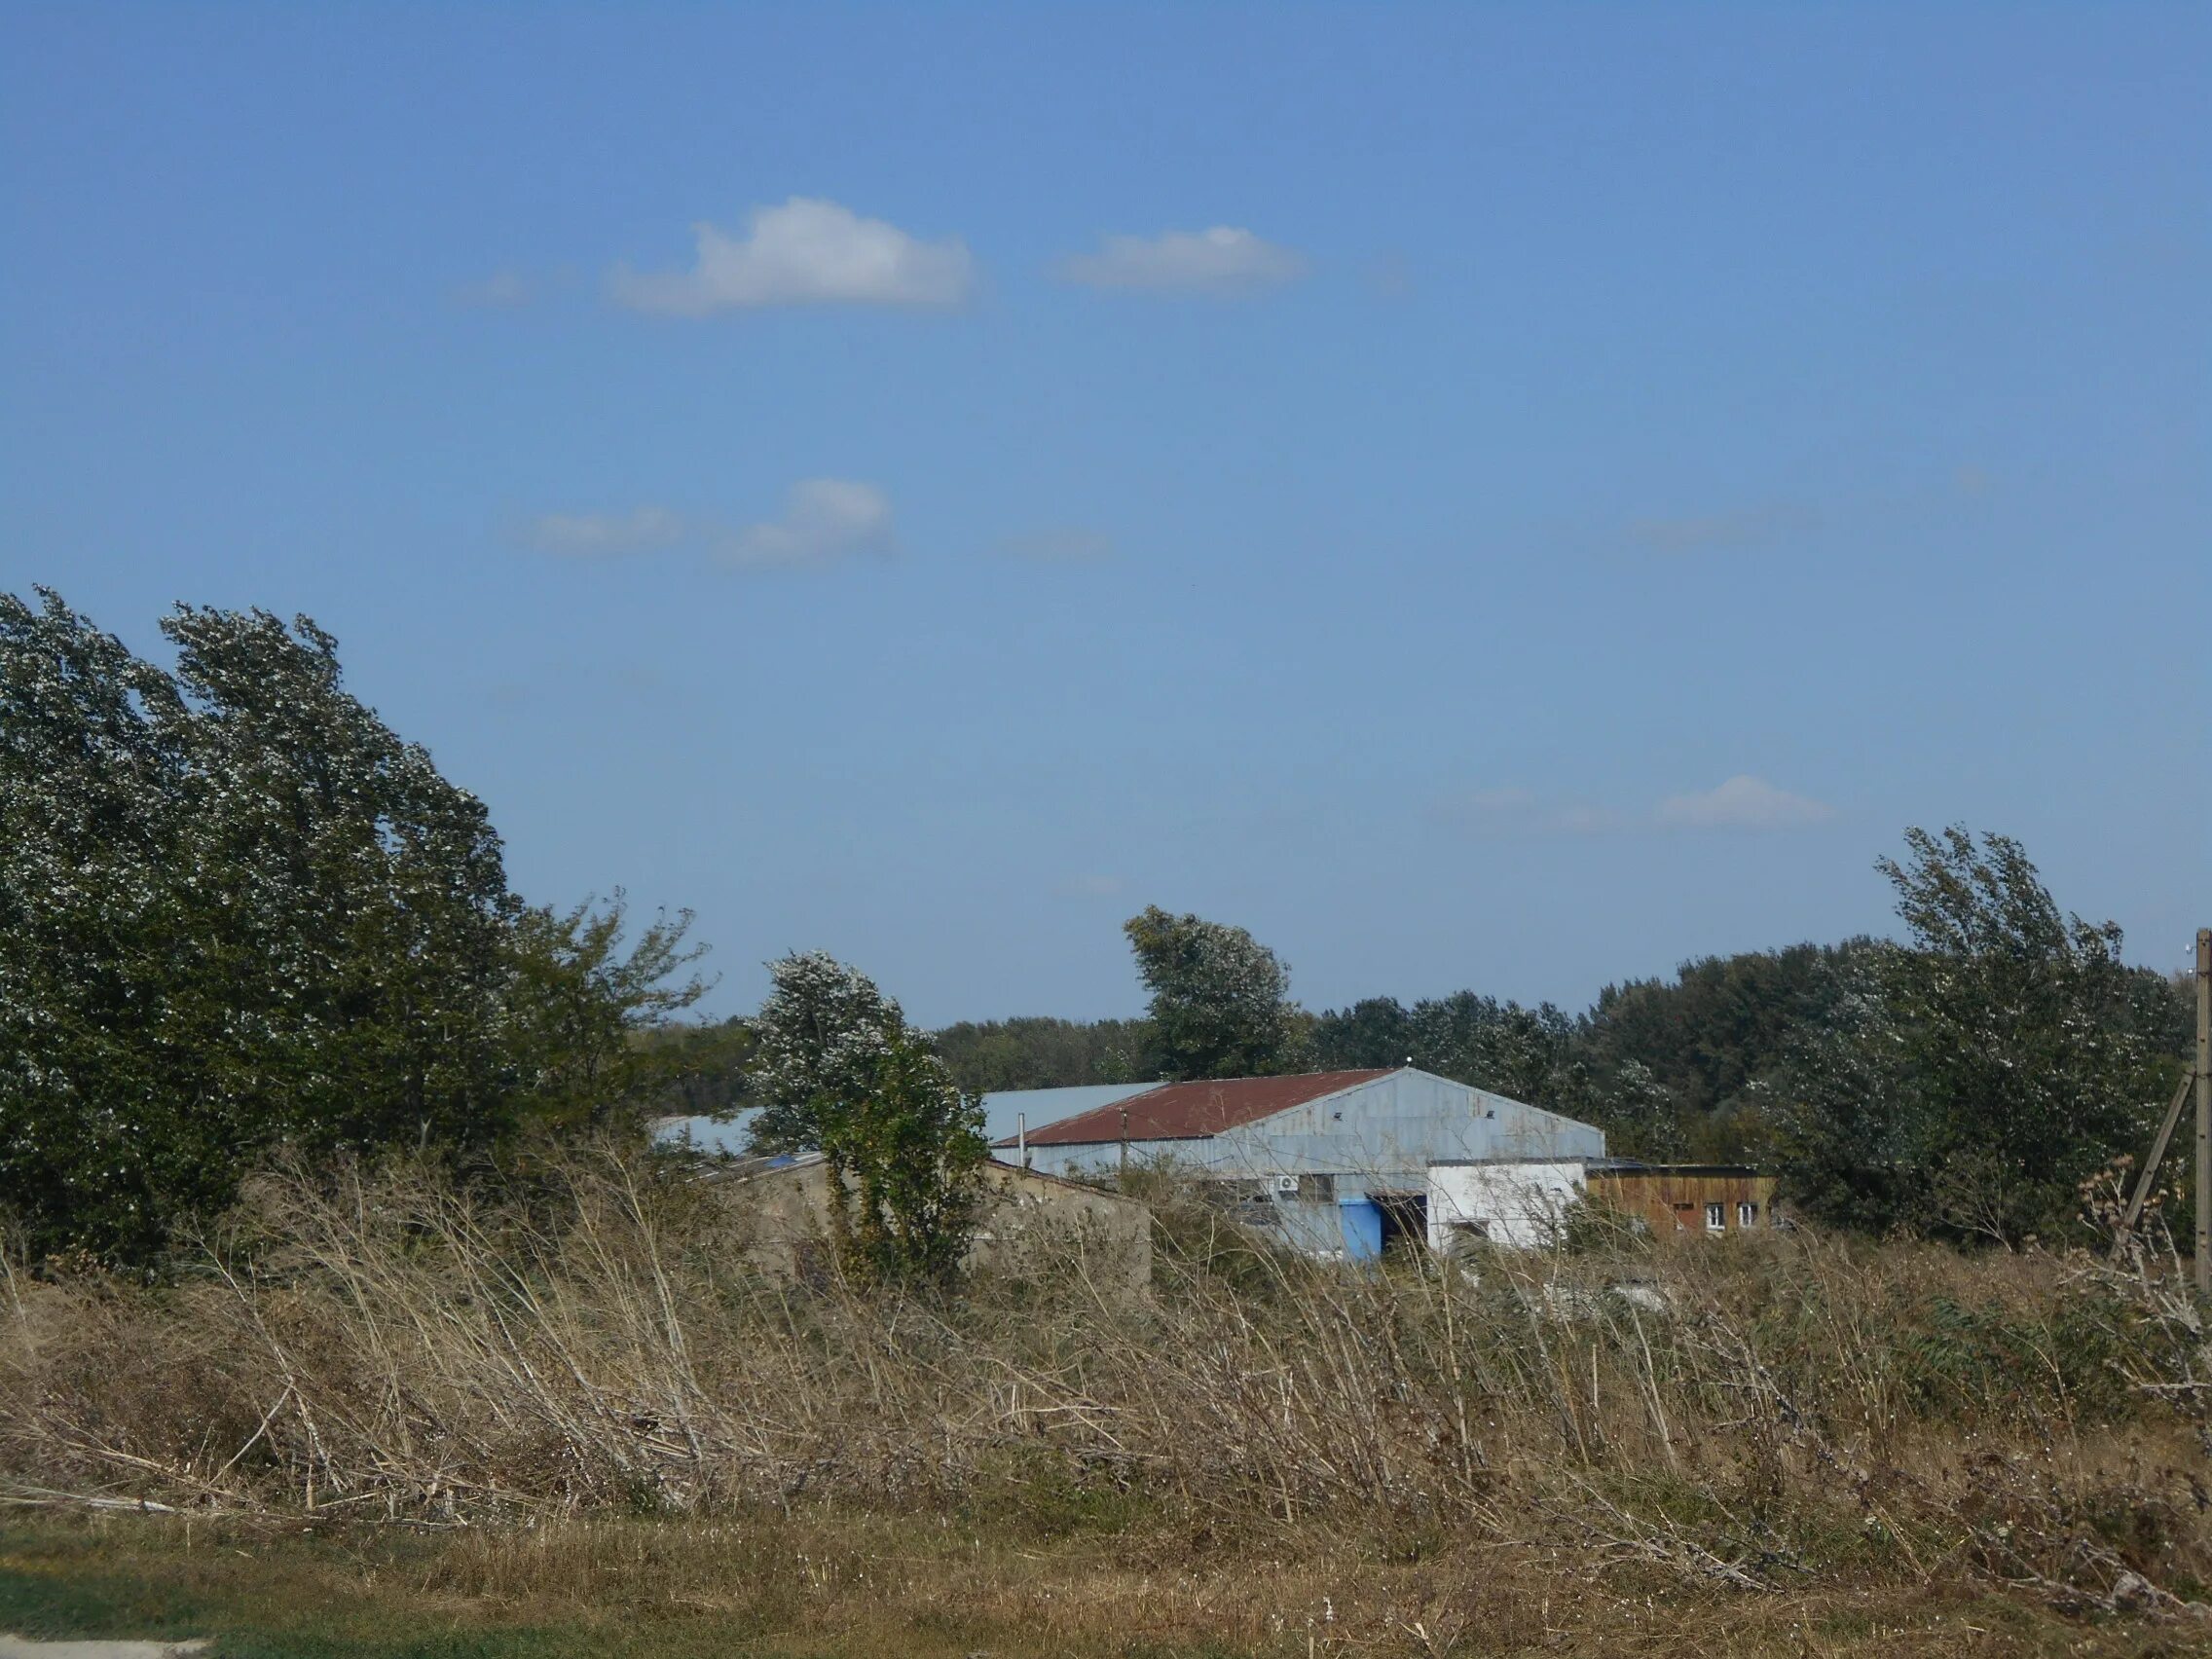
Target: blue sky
[1495, 497]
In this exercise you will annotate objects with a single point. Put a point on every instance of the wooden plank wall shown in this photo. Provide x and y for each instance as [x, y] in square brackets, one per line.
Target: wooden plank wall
[1675, 1200]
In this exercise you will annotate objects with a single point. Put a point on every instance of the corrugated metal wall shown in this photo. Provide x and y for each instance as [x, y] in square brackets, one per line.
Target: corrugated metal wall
[1378, 1137]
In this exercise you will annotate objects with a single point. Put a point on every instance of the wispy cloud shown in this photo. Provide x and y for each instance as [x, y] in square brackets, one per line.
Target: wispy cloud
[502, 291]
[1061, 544]
[1742, 803]
[1222, 261]
[605, 535]
[804, 252]
[822, 518]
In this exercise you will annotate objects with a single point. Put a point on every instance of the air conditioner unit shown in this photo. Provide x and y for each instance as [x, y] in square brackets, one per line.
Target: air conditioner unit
[1286, 1184]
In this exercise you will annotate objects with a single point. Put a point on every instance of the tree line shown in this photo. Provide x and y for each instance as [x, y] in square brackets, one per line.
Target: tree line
[239, 914]
[1965, 1080]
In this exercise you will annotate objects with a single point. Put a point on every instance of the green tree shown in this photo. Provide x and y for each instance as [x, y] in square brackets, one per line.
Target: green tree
[1982, 1069]
[1715, 1034]
[1373, 1033]
[237, 911]
[1034, 1053]
[905, 1154]
[816, 1040]
[836, 1067]
[1220, 1000]
[240, 910]
[700, 1066]
[581, 1010]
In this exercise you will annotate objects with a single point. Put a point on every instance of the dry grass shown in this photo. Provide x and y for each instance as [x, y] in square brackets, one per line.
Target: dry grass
[1788, 1427]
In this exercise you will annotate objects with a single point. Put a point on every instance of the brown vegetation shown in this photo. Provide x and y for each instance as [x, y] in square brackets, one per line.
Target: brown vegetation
[1761, 1419]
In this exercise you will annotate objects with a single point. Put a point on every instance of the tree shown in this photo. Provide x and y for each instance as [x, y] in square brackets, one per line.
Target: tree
[1713, 1036]
[1220, 999]
[1986, 1068]
[581, 1010]
[905, 1154]
[95, 1133]
[1034, 1053]
[1373, 1033]
[838, 1068]
[816, 1042]
[699, 1067]
[237, 910]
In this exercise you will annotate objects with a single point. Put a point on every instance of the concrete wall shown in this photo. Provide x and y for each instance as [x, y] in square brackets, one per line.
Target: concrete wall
[1522, 1206]
[1030, 1222]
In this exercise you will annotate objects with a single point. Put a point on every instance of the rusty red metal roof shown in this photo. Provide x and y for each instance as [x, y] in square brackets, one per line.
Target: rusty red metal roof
[1192, 1111]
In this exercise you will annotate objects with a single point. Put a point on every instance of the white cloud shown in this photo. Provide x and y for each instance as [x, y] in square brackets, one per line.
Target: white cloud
[1062, 544]
[1220, 261]
[1742, 803]
[822, 518]
[804, 252]
[603, 536]
[502, 291]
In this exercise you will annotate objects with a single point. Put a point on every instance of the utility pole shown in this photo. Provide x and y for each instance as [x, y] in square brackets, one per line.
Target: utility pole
[2199, 1079]
[2204, 1111]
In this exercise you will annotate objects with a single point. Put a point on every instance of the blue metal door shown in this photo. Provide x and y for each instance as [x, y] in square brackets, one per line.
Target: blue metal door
[1362, 1222]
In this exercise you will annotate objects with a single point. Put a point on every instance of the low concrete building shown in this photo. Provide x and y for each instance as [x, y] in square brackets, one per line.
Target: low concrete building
[1030, 1222]
[1522, 1206]
[1334, 1164]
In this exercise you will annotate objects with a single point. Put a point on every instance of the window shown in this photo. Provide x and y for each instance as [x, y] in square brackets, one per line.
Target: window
[1747, 1215]
[1317, 1189]
[1715, 1217]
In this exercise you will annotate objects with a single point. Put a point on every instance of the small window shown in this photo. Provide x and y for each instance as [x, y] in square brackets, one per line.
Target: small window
[1715, 1217]
[1317, 1189]
[1747, 1215]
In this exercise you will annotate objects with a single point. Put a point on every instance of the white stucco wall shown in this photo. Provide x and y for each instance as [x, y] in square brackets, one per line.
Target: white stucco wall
[1520, 1206]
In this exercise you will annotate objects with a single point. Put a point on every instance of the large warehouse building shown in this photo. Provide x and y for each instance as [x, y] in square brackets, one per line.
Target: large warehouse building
[1335, 1163]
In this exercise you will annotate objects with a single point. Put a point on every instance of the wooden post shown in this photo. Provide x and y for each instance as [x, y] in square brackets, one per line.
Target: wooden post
[2204, 1111]
[2146, 1178]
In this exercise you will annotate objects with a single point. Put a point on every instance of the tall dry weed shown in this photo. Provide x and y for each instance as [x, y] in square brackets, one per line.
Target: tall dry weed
[1748, 1412]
